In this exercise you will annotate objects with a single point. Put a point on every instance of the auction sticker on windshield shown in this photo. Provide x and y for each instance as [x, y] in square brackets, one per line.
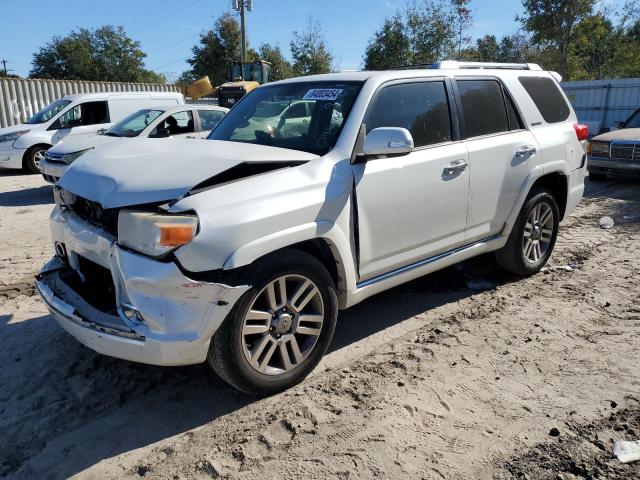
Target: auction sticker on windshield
[323, 94]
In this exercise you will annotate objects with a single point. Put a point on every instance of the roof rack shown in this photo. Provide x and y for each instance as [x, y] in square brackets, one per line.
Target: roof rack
[413, 66]
[455, 65]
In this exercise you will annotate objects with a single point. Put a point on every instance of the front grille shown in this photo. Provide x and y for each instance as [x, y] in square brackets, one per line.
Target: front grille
[625, 151]
[93, 283]
[93, 213]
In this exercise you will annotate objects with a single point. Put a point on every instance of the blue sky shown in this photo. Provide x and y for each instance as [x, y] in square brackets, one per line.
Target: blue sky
[168, 29]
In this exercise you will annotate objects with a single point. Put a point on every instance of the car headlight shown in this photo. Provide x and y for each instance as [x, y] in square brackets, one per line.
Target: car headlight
[601, 148]
[70, 157]
[155, 234]
[10, 137]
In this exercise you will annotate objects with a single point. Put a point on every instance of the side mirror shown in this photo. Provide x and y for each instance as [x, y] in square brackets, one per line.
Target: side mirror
[387, 141]
[101, 131]
[161, 133]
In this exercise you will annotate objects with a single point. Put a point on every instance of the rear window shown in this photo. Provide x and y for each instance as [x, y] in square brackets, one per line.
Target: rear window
[546, 94]
[483, 106]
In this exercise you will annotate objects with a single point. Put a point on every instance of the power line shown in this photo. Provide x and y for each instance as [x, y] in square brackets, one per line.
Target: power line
[170, 63]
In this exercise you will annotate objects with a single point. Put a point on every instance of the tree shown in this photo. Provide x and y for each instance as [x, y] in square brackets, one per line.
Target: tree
[105, 54]
[430, 26]
[389, 46]
[217, 49]
[309, 51]
[280, 67]
[552, 23]
[488, 49]
[463, 22]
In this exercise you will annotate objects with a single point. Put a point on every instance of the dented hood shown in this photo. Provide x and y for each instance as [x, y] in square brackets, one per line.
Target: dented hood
[154, 170]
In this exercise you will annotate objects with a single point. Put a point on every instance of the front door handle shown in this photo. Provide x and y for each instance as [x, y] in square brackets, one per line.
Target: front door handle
[455, 167]
[525, 150]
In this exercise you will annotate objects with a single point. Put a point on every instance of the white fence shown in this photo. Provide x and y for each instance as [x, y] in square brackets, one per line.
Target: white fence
[21, 98]
[602, 103]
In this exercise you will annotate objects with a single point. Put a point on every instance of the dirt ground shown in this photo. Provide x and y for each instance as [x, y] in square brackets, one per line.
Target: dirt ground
[462, 374]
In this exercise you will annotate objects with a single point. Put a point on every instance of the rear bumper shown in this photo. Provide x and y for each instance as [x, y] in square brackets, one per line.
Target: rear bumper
[11, 157]
[160, 316]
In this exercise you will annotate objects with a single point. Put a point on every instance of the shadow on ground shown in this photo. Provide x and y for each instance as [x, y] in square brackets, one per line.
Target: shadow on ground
[27, 197]
[76, 405]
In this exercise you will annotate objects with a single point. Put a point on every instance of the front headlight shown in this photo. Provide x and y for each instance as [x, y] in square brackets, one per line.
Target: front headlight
[70, 157]
[10, 137]
[600, 148]
[155, 234]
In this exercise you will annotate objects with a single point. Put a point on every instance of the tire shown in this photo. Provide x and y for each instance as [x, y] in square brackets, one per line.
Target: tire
[597, 177]
[249, 361]
[33, 156]
[517, 256]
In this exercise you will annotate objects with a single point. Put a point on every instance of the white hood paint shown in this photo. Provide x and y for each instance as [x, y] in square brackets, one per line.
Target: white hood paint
[17, 128]
[73, 145]
[153, 170]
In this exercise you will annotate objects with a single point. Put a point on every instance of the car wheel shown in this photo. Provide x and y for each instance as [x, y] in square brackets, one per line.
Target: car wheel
[597, 177]
[33, 157]
[280, 329]
[533, 236]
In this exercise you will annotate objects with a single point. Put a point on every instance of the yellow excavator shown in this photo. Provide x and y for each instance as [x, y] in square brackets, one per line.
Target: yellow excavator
[243, 78]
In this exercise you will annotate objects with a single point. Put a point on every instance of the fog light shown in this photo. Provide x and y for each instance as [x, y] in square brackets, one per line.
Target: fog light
[60, 250]
[130, 313]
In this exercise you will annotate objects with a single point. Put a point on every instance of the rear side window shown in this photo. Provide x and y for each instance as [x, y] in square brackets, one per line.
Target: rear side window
[420, 107]
[88, 113]
[210, 118]
[546, 94]
[483, 107]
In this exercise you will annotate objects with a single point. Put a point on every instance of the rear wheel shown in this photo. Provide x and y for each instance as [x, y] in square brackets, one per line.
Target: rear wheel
[280, 329]
[533, 235]
[33, 157]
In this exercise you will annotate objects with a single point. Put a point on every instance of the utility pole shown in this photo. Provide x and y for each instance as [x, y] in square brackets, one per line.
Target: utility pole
[4, 66]
[240, 6]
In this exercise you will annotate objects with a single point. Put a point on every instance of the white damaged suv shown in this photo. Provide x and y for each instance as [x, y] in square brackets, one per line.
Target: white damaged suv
[241, 249]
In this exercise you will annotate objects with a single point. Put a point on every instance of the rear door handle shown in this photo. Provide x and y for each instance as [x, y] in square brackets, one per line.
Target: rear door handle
[525, 150]
[455, 167]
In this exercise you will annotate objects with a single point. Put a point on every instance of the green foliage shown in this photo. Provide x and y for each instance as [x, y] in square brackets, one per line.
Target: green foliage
[218, 48]
[389, 46]
[280, 67]
[431, 31]
[553, 22]
[309, 51]
[105, 54]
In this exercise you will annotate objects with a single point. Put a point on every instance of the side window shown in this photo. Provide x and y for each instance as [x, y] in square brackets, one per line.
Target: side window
[545, 93]
[89, 113]
[420, 107]
[515, 123]
[209, 118]
[483, 107]
[177, 123]
[298, 110]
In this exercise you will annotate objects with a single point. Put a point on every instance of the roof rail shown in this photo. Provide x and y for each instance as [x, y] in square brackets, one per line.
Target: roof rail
[454, 65]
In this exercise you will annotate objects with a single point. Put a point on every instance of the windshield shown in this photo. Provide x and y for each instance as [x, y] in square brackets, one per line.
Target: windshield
[634, 120]
[132, 125]
[299, 116]
[48, 112]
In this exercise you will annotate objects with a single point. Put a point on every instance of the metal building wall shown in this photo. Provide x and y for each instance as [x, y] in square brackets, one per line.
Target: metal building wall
[21, 98]
[602, 103]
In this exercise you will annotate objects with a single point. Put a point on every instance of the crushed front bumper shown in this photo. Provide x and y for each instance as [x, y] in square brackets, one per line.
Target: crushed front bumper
[159, 316]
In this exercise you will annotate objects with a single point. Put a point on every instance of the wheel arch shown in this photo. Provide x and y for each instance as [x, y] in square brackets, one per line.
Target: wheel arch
[30, 149]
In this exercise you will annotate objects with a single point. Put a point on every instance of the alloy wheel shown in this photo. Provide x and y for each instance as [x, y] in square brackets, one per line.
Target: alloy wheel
[538, 232]
[282, 325]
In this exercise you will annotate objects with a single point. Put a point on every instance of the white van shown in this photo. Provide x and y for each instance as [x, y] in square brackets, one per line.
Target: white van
[73, 116]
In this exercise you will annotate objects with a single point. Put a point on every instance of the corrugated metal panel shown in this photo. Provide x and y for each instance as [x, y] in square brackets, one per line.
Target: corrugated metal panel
[604, 102]
[20, 98]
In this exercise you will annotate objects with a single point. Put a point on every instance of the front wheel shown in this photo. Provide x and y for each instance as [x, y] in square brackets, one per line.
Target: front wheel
[33, 157]
[533, 235]
[280, 329]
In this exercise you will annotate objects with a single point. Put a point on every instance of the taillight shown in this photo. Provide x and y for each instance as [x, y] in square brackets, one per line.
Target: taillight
[582, 131]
